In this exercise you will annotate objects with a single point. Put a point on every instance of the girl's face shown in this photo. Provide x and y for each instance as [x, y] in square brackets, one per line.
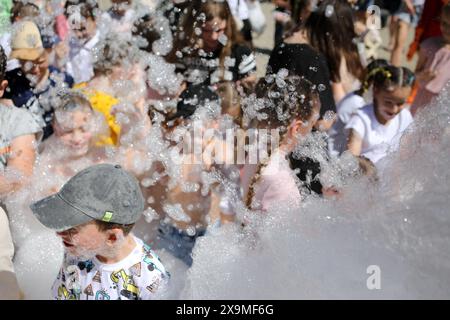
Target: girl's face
[388, 104]
[73, 129]
[211, 32]
[445, 27]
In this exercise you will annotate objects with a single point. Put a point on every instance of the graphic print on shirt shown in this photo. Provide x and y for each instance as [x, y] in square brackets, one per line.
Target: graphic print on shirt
[88, 291]
[102, 295]
[136, 269]
[97, 277]
[130, 290]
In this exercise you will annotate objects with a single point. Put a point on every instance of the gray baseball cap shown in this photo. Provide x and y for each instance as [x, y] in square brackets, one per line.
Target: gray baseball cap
[102, 192]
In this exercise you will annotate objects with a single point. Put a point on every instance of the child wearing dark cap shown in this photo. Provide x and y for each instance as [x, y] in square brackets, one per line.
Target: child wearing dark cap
[94, 213]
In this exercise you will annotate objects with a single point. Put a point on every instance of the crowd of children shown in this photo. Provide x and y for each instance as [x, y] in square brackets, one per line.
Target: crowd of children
[101, 112]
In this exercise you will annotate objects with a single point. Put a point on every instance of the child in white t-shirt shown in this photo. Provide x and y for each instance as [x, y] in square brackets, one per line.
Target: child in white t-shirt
[348, 106]
[85, 37]
[376, 129]
[93, 214]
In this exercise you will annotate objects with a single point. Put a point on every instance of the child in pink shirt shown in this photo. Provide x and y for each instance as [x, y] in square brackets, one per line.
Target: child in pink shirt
[290, 110]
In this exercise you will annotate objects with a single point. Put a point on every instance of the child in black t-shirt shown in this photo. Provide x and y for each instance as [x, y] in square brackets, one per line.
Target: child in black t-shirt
[210, 49]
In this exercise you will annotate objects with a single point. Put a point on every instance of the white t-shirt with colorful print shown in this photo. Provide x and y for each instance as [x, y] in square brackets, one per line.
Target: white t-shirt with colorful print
[137, 277]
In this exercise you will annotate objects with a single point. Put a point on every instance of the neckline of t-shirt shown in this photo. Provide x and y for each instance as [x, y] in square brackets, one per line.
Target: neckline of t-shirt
[114, 266]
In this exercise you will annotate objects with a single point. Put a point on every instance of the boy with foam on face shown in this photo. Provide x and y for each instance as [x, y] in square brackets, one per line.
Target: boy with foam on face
[94, 213]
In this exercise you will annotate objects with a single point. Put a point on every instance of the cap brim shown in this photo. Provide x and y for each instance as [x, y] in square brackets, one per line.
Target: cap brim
[26, 54]
[55, 213]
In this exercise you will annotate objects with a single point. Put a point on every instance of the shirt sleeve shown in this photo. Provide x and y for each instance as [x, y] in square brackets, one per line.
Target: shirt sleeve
[24, 124]
[356, 123]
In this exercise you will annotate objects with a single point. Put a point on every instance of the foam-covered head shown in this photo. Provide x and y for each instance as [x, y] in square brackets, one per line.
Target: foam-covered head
[73, 124]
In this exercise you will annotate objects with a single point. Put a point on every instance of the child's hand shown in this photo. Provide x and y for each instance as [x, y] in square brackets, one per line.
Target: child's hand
[426, 76]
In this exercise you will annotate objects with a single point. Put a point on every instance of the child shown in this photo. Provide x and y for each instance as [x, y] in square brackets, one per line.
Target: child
[186, 211]
[33, 85]
[434, 64]
[377, 128]
[77, 142]
[77, 129]
[18, 11]
[85, 37]
[212, 49]
[293, 109]
[117, 79]
[337, 143]
[18, 136]
[119, 18]
[94, 213]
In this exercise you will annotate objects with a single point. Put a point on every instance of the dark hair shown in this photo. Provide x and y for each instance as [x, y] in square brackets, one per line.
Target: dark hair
[282, 102]
[146, 28]
[3, 62]
[391, 77]
[285, 100]
[191, 98]
[87, 9]
[105, 226]
[331, 31]
[370, 73]
[297, 7]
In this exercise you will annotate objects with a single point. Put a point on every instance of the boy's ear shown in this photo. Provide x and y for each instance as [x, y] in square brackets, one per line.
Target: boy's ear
[112, 235]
